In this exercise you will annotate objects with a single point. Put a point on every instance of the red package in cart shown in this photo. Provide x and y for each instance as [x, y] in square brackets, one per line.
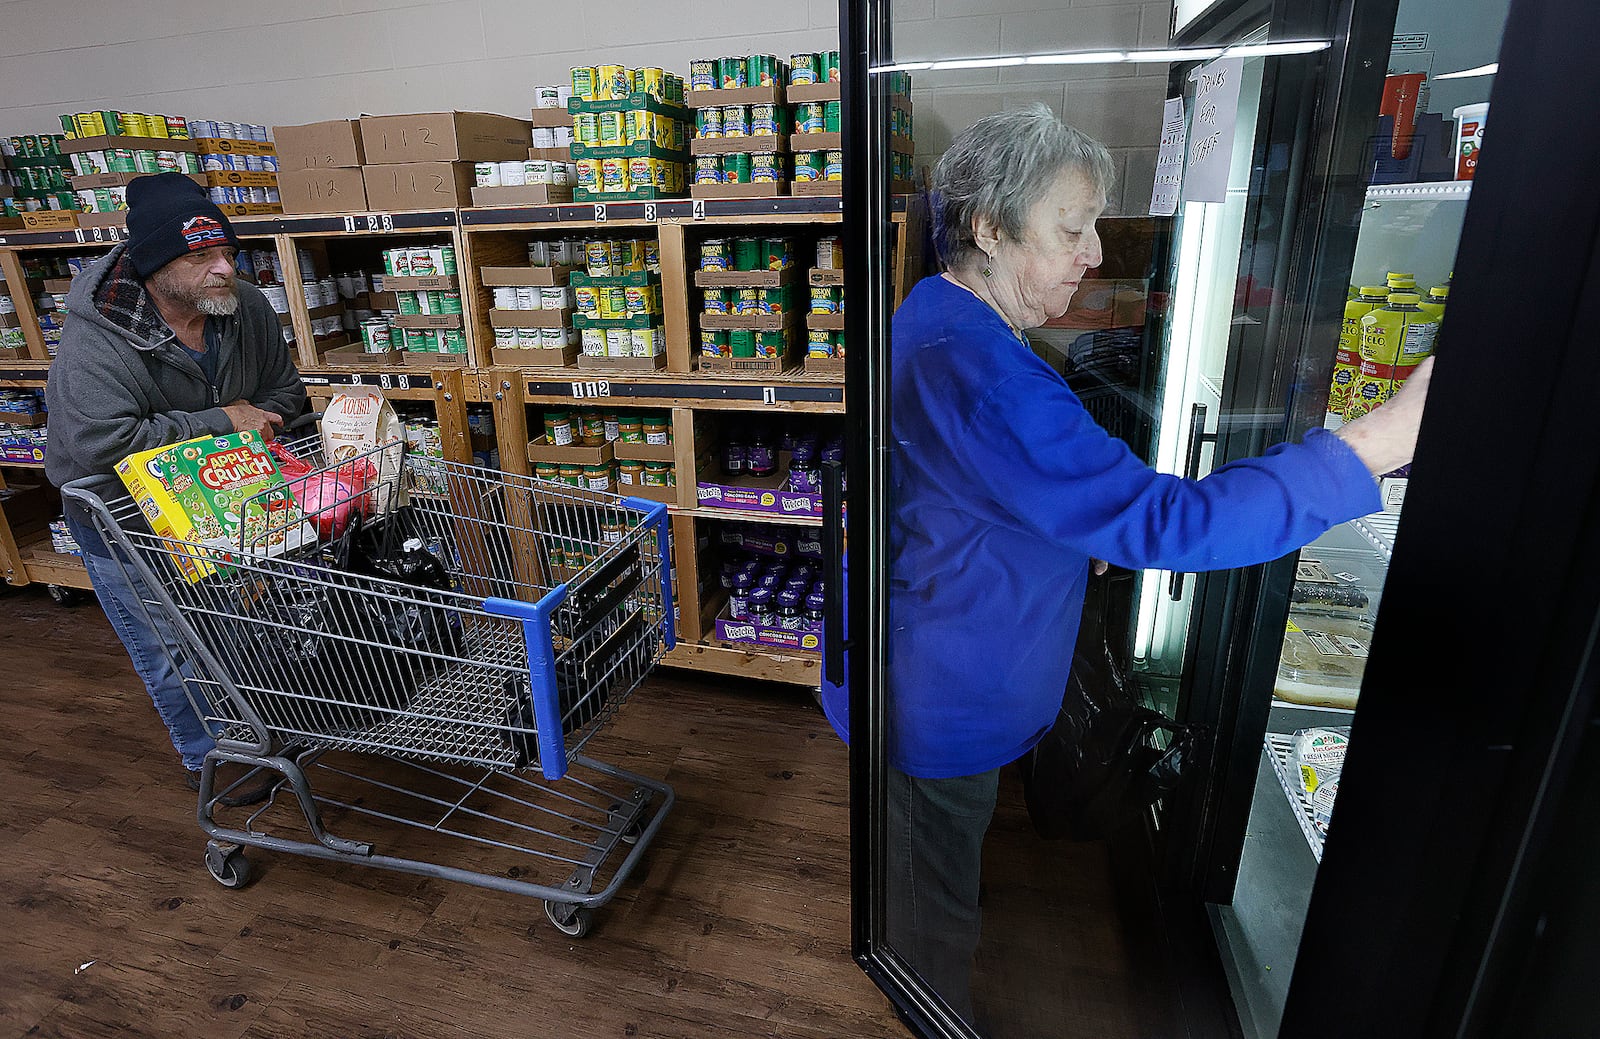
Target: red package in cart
[329, 498]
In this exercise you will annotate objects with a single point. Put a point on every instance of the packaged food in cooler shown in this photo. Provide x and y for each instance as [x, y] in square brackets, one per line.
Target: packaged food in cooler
[1323, 660]
[1316, 589]
[1318, 756]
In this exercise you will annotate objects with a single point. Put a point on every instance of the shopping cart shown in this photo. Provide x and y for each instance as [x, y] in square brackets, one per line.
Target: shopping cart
[438, 661]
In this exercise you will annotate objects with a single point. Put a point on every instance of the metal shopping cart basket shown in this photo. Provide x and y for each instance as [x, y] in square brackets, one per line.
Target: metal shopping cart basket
[441, 702]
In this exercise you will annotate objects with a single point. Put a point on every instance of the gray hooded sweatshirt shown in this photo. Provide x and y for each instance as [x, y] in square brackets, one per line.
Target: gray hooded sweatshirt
[121, 382]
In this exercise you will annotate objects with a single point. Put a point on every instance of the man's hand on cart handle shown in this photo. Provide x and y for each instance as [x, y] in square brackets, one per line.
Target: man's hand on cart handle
[247, 416]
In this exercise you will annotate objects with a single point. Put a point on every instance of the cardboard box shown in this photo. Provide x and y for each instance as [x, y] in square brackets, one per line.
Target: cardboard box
[444, 137]
[758, 494]
[748, 632]
[332, 144]
[522, 195]
[529, 318]
[356, 354]
[623, 364]
[542, 277]
[323, 190]
[535, 357]
[550, 118]
[418, 185]
[770, 189]
[645, 452]
[541, 450]
[241, 179]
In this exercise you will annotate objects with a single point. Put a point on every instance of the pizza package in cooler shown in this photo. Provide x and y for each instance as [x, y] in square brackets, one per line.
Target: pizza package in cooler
[1317, 756]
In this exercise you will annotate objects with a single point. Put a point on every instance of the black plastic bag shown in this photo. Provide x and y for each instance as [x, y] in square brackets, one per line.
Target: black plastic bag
[1097, 769]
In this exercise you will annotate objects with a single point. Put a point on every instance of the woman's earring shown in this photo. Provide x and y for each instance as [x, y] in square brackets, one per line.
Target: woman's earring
[986, 272]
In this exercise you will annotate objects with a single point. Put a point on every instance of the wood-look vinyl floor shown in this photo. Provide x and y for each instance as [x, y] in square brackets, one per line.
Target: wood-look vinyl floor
[736, 925]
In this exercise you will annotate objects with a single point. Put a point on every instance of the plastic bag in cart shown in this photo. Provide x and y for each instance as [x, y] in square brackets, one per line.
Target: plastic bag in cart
[328, 498]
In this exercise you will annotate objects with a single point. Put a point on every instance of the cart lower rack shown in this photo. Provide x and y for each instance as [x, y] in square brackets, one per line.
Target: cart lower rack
[418, 663]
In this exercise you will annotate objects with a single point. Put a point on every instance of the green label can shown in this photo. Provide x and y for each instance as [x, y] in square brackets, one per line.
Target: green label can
[145, 161]
[777, 253]
[824, 299]
[747, 301]
[703, 74]
[733, 72]
[766, 168]
[708, 123]
[833, 166]
[830, 117]
[613, 129]
[773, 300]
[449, 303]
[765, 120]
[716, 301]
[408, 302]
[802, 69]
[714, 254]
[747, 252]
[713, 342]
[420, 341]
[810, 117]
[838, 344]
[452, 341]
[808, 166]
[736, 169]
[708, 169]
[583, 82]
[762, 70]
[829, 70]
[735, 121]
[772, 343]
[742, 343]
[819, 343]
[586, 128]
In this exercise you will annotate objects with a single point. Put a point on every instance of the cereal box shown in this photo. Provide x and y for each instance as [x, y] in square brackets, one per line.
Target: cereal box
[222, 492]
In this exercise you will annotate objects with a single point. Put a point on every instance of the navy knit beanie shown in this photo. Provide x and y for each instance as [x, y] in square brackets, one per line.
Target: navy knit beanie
[170, 216]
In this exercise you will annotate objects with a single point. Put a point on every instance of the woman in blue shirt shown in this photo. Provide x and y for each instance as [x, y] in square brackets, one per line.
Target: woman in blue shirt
[1005, 492]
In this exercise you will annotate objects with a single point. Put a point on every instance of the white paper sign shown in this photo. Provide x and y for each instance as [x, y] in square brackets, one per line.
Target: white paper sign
[1169, 161]
[1216, 113]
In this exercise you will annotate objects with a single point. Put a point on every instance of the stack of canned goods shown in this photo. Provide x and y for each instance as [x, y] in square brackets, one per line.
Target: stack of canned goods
[133, 160]
[595, 428]
[518, 172]
[733, 73]
[221, 129]
[715, 122]
[746, 254]
[613, 257]
[748, 300]
[619, 83]
[745, 342]
[742, 168]
[617, 175]
[419, 261]
[634, 126]
[647, 342]
[379, 335]
[810, 69]
[38, 175]
[11, 338]
[567, 252]
[555, 96]
[125, 124]
[530, 298]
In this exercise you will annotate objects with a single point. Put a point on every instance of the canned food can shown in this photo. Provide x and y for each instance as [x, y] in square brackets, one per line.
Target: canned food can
[375, 335]
[144, 161]
[747, 254]
[536, 171]
[177, 127]
[772, 343]
[256, 196]
[449, 302]
[612, 82]
[773, 300]
[762, 70]
[551, 298]
[833, 166]
[167, 162]
[452, 341]
[714, 254]
[87, 203]
[409, 302]
[418, 341]
[716, 301]
[586, 128]
[594, 342]
[614, 175]
[646, 342]
[830, 253]
[619, 342]
[589, 174]
[641, 172]
[561, 173]
[736, 168]
[486, 174]
[641, 300]
[742, 343]
[713, 343]
[652, 256]
[802, 69]
[824, 299]
[527, 297]
[708, 169]
[613, 302]
[155, 125]
[218, 195]
[93, 162]
[746, 301]
[810, 117]
[735, 121]
[764, 121]
[819, 343]
[733, 72]
[766, 168]
[513, 172]
[598, 255]
[544, 137]
[703, 74]
[587, 298]
[830, 116]
[829, 72]
[583, 82]
[421, 262]
[651, 81]
[191, 162]
[613, 129]
[547, 97]
[708, 123]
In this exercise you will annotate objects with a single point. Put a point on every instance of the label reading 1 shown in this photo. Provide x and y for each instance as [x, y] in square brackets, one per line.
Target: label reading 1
[600, 388]
[769, 395]
[599, 212]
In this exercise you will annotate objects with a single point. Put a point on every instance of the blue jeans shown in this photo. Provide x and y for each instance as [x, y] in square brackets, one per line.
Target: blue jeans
[936, 830]
[149, 639]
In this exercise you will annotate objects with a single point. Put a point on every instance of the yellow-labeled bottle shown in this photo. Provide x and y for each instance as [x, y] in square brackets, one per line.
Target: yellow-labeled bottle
[1394, 340]
[1438, 296]
[1347, 362]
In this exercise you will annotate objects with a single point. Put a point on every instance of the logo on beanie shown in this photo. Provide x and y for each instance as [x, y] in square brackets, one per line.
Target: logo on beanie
[202, 232]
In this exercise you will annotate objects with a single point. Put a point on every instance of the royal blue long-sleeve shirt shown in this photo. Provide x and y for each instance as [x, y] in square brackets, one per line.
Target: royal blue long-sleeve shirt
[1002, 489]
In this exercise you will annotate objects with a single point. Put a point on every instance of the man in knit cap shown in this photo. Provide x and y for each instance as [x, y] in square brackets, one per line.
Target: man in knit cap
[163, 343]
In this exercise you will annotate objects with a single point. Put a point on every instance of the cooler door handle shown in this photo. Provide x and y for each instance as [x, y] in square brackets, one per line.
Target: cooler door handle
[833, 605]
[1198, 438]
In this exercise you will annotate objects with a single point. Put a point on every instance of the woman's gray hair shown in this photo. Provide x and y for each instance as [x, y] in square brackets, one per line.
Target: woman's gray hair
[999, 167]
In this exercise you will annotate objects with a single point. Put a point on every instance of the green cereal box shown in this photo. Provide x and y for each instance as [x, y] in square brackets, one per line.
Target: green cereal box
[221, 492]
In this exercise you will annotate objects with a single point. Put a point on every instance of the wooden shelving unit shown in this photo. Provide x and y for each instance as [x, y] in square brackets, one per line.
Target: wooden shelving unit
[497, 236]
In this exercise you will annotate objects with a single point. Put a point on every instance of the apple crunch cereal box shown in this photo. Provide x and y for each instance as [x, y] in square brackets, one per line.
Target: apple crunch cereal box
[222, 492]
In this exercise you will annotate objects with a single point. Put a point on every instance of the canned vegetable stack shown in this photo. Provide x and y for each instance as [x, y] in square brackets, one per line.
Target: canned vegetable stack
[629, 131]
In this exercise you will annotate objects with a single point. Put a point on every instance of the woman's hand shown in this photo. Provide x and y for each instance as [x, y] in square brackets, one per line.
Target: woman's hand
[1386, 438]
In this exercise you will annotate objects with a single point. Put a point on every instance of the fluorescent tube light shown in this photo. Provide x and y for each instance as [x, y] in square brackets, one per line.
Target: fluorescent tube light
[1167, 54]
[1481, 70]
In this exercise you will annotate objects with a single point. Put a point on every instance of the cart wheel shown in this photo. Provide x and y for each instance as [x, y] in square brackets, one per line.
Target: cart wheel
[64, 596]
[230, 869]
[631, 834]
[572, 921]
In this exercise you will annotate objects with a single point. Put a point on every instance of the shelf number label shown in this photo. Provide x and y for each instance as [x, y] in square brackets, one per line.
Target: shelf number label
[599, 212]
[769, 395]
[355, 378]
[383, 380]
[369, 222]
[650, 212]
[600, 388]
[699, 209]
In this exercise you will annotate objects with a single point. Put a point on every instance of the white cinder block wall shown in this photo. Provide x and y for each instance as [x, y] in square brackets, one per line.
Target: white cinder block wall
[295, 61]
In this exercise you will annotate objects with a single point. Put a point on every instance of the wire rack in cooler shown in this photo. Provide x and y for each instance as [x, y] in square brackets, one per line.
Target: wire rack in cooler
[1379, 529]
[1280, 749]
